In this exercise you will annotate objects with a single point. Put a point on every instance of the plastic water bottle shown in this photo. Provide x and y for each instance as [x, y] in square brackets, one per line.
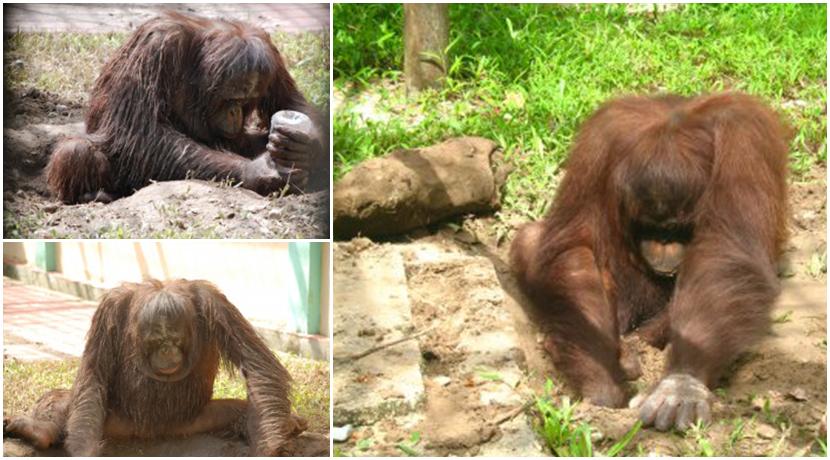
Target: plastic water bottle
[292, 119]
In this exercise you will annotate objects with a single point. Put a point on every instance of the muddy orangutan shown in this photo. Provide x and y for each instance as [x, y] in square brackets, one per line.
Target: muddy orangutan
[147, 371]
[188, 97]
[669, 222]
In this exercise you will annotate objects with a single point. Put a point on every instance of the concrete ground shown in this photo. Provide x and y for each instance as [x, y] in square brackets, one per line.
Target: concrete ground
[97, 18]
[39, 324]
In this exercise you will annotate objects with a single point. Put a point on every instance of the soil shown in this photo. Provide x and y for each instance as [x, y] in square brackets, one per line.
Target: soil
[35, 120]
[204, 445]
[772, 403]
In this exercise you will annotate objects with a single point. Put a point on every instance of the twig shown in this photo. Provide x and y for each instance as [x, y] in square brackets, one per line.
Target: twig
[376, 348]
[512, 414]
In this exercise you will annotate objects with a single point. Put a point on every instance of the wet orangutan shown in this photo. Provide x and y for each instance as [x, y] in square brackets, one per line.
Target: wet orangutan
[669, 222]
[151, 357]
[189, 97]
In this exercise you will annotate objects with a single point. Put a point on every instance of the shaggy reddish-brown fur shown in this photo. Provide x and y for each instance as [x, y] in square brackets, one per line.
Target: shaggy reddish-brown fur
[709, 172]
[151, 112]
[115, 397]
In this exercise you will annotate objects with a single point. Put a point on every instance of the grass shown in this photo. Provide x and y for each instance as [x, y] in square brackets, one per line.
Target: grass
[527, 75]
[564, 437]
[25, 382]
[68, 63]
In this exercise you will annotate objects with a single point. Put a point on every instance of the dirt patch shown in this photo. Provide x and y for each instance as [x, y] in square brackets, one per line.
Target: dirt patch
[472, 364]
[474, 384]
[176, 209]
[773, 402]
[307, 445]
[32, 106]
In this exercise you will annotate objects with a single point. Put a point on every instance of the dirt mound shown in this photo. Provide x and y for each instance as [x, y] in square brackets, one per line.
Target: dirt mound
[175, 209]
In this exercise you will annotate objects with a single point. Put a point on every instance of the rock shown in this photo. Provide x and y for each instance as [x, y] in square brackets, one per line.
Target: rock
[765, 431]
[441, 380]
[798, 394]
[341, 433]
[411, 188]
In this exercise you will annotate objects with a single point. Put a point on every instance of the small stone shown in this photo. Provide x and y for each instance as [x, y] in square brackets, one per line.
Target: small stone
[757, 403]
[50, 207]
[465, 236]
[61, 108]
[794, 103]
[441, 380]
[52, 114]
[798, 394]
[765, 431]
[341, 433]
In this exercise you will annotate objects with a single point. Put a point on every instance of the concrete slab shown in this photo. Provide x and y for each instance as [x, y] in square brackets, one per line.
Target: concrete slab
[372, 308]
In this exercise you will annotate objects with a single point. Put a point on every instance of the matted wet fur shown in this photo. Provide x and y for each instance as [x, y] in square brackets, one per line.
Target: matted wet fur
[116, 396]
[189, 97]
[670, 220]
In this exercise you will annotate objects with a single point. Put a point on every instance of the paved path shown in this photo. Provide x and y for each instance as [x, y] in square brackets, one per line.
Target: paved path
[39, 324]
[125, 17]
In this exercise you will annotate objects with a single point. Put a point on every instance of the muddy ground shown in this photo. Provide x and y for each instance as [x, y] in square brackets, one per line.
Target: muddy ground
[35, 120]
[477, 362]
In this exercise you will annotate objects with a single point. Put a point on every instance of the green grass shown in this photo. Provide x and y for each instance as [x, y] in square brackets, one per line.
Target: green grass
[564, 437]
[68, 63]
[527, 75]
[25, 382]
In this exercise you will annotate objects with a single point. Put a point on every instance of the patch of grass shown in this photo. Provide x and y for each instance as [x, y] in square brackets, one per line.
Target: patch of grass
[701, 446]
[408, 447]
[737, 433]
[818, 264]
[306, 55]
[16, 225]
[785, 317]
[68, 63]
[527, 75]
[62, 63]
[564, 437]
[25, 382]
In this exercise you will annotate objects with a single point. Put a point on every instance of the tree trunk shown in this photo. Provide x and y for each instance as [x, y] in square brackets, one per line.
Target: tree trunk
[426, 36]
